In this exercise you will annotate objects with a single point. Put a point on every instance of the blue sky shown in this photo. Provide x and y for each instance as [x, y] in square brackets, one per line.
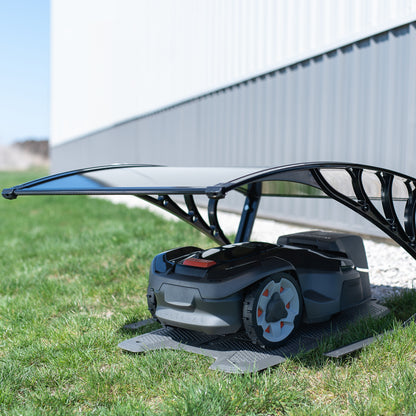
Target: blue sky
[24, 69]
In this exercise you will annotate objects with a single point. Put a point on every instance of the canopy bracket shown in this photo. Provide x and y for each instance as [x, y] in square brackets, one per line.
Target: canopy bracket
[389, 222]
[192, 217]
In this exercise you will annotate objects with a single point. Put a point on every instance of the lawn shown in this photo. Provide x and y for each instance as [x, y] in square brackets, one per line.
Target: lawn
[74, 272]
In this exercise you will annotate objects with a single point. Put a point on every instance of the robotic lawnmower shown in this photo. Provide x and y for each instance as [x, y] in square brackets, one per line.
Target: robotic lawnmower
[266, 290]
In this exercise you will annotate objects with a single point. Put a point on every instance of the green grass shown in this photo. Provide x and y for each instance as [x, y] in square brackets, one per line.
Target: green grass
[73, 271]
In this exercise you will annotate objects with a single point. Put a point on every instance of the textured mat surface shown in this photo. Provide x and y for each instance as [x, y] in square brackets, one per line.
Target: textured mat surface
[235, 353]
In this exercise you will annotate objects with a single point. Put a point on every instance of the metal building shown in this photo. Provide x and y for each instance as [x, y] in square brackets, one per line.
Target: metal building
[353, 102]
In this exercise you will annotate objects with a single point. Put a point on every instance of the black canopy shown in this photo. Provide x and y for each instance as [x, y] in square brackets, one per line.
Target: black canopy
[355, 186]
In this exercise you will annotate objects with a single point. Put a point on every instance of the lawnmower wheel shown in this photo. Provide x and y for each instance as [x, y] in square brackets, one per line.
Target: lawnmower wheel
[272, 310]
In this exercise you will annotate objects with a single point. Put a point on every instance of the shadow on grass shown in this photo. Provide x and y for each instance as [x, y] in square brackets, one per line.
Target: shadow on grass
[135, 326]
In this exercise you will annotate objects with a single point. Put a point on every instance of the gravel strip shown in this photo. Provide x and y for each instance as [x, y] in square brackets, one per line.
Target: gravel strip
[391, 268]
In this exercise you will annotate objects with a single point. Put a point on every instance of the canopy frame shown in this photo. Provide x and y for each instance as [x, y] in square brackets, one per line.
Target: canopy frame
[251, 182]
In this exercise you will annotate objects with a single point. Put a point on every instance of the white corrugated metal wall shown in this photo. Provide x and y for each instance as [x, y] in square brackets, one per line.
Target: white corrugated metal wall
[112, 60]
[355, 103]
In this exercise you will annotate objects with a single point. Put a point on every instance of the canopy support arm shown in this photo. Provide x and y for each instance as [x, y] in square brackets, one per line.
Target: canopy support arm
[199, 222]
[249, 213]
[192, 217]
[388, 222]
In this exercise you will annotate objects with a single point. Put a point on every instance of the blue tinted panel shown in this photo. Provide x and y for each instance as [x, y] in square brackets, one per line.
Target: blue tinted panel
[69, 182]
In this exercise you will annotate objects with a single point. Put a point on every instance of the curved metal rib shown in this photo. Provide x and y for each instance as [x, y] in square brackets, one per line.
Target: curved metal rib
[386, 180]
[410, 211]
[216, 229]
[197, 219]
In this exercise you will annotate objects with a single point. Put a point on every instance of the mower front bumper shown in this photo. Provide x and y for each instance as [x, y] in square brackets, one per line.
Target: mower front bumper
[184, 307]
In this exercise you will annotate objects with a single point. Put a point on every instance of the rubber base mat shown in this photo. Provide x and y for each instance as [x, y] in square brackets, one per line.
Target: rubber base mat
[235, 353]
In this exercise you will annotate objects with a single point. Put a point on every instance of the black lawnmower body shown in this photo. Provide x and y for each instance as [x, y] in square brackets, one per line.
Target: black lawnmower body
[207, 290]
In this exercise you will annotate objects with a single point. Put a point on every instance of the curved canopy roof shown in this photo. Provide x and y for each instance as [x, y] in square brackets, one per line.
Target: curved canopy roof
[353, 185]
[215, 182]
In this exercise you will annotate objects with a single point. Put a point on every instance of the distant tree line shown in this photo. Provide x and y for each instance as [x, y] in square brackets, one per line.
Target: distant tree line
[35, 146]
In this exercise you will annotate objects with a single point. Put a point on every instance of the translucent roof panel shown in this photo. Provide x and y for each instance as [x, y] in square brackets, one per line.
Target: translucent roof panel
[302, 180]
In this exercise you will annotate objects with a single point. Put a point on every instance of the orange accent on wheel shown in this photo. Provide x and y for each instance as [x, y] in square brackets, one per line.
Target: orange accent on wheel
[259, 312]
[288, 305]
[281, 289]
[268, 329]
[281, 324]
[266, 292]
